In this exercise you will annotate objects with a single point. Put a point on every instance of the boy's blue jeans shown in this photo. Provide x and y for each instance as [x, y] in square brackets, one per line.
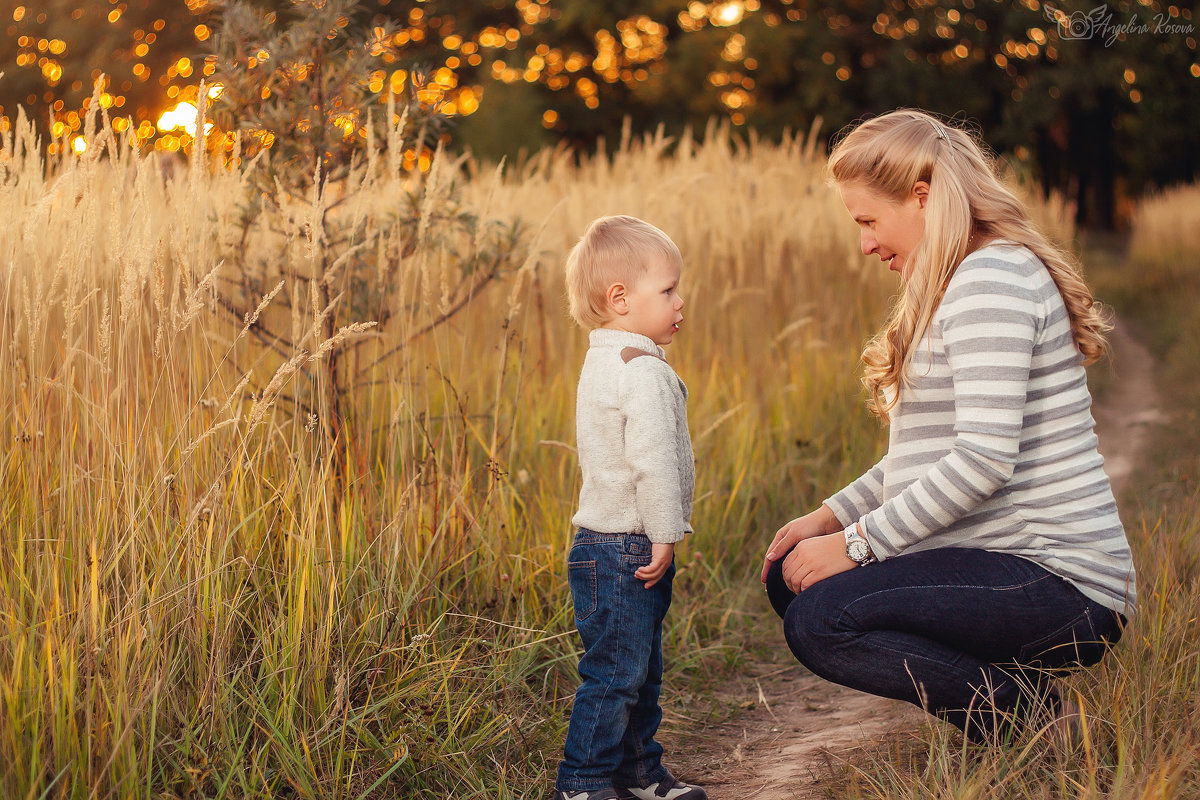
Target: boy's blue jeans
[970, 635]
[610, 741]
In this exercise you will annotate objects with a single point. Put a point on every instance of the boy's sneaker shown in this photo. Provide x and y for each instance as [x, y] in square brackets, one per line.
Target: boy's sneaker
[596, 794]
[669, 788]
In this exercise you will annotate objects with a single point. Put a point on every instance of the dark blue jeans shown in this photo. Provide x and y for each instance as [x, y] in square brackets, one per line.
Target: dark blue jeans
[972, 636]
[610, 741]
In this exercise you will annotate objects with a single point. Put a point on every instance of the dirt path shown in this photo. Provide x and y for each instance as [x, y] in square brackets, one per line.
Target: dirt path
[793, 725]
[1129, 408]
[790, 724]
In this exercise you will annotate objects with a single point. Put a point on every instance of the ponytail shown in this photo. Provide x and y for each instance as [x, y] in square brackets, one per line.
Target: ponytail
[966, 204]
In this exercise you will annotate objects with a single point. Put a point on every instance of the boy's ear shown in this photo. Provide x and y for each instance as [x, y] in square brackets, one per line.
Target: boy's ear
[617, 298]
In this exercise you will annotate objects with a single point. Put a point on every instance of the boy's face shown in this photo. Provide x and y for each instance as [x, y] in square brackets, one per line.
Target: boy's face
[651, 306]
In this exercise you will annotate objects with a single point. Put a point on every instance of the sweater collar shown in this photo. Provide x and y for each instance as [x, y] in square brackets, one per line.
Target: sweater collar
[607, 337]
[999, 244]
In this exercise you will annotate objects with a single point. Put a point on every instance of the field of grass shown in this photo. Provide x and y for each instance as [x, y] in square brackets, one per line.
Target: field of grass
[201, 596]
[288, 554]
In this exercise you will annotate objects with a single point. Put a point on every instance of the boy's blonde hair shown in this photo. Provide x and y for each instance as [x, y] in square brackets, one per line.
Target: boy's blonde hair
[889, 155]
[615, 249]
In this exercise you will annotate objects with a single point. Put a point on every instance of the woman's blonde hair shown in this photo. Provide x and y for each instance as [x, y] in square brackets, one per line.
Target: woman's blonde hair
[889, 155]
[615, 249]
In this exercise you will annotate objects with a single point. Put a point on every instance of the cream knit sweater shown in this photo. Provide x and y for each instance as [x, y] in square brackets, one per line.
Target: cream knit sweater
[632, 434]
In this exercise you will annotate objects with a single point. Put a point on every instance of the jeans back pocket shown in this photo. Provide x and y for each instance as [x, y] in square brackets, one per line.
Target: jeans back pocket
[581, 575]
[1076, 644]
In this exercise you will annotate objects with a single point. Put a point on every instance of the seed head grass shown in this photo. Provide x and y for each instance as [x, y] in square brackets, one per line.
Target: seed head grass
[197, 599]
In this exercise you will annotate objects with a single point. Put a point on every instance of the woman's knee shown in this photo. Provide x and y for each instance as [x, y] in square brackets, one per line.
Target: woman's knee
[778, 593]
[810, 629]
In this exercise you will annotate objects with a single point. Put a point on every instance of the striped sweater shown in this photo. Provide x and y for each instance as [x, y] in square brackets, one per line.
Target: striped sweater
[992, 443]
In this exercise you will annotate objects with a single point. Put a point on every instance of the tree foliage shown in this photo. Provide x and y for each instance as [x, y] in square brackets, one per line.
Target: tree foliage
[1099, 113]
[368, 233]
[62, 47]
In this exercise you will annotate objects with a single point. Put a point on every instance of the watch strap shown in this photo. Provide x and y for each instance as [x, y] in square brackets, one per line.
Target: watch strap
[851, 534]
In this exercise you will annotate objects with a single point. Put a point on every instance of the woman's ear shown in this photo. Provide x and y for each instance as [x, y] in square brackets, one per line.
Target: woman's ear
[921, 192]
[618, 300]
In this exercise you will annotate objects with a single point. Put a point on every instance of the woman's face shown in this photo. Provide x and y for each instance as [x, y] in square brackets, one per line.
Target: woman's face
[889, 228]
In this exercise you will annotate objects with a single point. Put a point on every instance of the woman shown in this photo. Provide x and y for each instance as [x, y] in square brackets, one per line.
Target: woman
[983, 553]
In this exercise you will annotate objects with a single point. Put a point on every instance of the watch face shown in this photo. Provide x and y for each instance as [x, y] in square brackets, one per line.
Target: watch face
[857, 550]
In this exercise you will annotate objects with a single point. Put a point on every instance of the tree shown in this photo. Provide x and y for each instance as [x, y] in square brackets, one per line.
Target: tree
[1096, 114]
[303, 78]
[62, 48]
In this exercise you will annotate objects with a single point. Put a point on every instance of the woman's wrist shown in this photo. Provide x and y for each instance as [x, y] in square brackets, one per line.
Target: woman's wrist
[830, 523]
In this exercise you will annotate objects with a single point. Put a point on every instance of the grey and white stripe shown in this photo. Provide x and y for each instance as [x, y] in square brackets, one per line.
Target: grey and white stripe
[992, 444]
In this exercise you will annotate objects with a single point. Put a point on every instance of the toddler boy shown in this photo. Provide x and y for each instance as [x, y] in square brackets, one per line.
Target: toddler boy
[635, 504]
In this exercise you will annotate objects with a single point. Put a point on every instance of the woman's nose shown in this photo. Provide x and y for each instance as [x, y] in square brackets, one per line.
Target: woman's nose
[869, 245]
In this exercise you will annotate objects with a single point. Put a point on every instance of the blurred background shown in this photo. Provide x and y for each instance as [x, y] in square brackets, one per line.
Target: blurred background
[286, 473]
[1095, 102]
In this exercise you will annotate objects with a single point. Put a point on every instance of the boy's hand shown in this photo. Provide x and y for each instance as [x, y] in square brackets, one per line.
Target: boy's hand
[661, 556]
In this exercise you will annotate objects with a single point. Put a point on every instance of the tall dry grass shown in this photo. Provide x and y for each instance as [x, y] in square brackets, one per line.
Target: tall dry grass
[193, 604]
[1164, 232]
[196, 602]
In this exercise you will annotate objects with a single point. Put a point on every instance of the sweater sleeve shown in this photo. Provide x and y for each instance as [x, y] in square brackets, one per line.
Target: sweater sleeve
[859, 498]
[988, 319]
[650, 399]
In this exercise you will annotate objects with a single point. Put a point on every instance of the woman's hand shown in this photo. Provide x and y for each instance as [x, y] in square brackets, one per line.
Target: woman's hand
[814, 560]
[818, 523]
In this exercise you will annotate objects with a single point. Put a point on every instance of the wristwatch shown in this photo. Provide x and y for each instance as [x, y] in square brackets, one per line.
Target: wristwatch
[857, 549]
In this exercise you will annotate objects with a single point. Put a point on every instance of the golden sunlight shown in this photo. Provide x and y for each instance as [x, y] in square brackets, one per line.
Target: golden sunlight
[182, 116]
[728, 13]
